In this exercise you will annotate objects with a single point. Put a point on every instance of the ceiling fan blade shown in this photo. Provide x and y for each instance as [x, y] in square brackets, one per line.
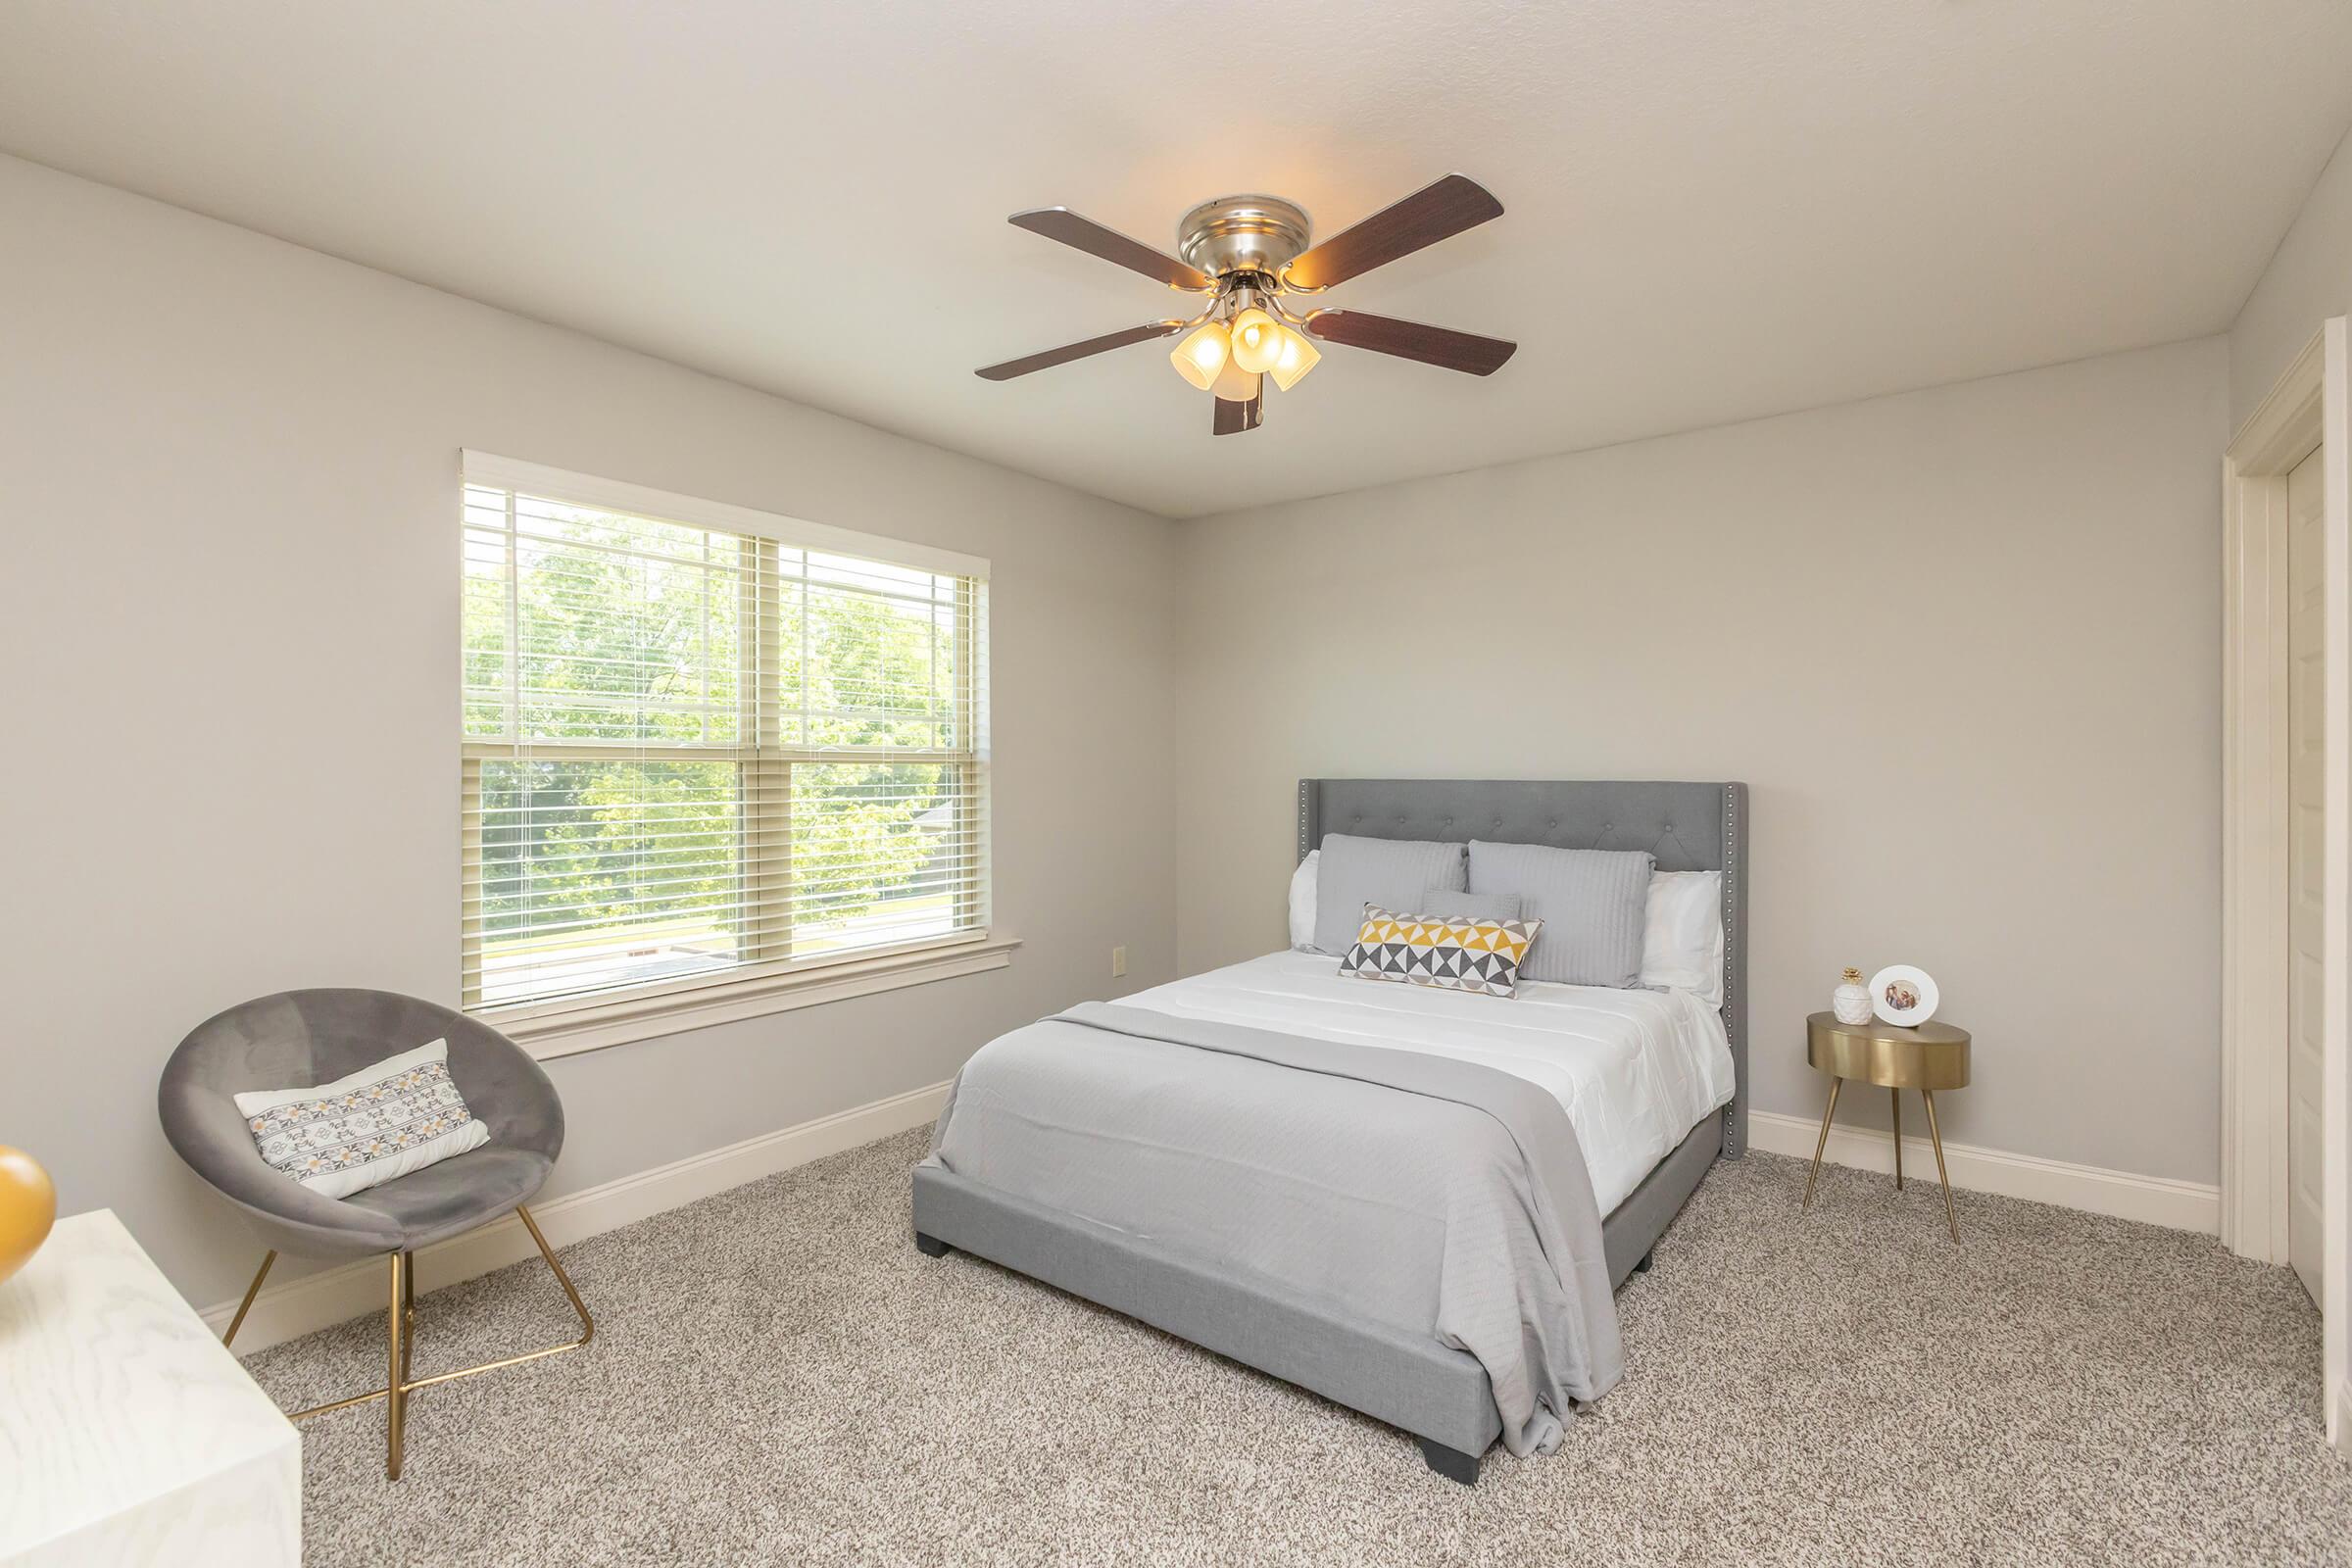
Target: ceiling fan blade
[1435, 213]
[1440, 346]
[1084, 234]
[1233, 419]
[1078, 350]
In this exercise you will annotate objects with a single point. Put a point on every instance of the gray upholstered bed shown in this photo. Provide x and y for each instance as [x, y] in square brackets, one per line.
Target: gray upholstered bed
[1440, 1394]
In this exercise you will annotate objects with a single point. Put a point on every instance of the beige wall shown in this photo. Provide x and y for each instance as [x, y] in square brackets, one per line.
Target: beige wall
[1962, 643]
[227, 473]
[2308, 280]
[228, 479]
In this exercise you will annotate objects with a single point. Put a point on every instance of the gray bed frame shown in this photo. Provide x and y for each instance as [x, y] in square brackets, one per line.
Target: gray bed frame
[1439, 1395]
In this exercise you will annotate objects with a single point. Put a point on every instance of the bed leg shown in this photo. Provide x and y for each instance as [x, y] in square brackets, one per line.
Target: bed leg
[1452, 1463]
[930, 1245]
[1642, 1265]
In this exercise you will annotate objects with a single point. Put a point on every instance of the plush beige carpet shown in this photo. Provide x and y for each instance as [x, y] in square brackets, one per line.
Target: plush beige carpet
[779, 1377]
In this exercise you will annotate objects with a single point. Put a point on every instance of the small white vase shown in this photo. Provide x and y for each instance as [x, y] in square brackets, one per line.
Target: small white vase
[1850, 1002]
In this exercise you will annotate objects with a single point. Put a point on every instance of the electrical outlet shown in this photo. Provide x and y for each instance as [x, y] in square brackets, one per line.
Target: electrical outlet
[1118, 964]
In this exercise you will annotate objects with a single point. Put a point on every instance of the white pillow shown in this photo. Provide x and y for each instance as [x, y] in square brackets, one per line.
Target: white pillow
[389, 1118]
[1682, 935]
[1303, 902]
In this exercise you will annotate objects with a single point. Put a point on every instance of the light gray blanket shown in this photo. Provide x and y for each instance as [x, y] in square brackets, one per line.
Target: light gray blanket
[1430, 1194]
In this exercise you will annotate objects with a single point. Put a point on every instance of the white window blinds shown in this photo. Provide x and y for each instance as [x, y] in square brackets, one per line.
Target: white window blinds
[693, 750]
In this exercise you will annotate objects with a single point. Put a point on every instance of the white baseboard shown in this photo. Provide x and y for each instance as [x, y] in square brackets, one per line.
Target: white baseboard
[315, 1301]
[2154, 1200]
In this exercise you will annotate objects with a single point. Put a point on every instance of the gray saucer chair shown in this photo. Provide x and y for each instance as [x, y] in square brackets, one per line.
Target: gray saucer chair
[299, 1038]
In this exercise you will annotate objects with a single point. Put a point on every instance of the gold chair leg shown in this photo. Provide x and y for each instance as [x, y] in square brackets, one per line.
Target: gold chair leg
[1897, 1095]
[1935, 1132]
[408, 1313]
[396, 1384]
[1823, 1141]
[399, 1337]
[587, 1323]
[251, 1291]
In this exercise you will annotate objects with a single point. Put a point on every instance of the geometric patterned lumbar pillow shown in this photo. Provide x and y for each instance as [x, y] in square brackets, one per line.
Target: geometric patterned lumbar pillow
[1481, 955]
[395, 1116]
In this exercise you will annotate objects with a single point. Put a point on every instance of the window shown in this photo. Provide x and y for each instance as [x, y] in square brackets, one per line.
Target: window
[694, 751]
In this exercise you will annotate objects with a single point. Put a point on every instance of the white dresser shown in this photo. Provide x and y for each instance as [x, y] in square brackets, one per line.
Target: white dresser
[128, 1434]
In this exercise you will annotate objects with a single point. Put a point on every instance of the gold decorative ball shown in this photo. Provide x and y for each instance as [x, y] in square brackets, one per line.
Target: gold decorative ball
[27, 1209]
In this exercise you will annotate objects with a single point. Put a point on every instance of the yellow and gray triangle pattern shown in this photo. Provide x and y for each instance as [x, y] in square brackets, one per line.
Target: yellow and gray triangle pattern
[1481, 955]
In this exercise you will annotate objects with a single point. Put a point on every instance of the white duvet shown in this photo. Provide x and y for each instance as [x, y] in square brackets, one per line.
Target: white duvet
[1634, 1069]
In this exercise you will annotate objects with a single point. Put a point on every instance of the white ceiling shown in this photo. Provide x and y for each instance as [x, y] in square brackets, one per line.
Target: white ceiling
[1715, 209]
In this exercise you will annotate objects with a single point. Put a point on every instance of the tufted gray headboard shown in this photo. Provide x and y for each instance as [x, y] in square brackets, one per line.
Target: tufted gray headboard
[1689, 827]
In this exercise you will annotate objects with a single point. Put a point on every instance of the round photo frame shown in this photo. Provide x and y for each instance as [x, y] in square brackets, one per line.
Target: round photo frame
[1904, 996]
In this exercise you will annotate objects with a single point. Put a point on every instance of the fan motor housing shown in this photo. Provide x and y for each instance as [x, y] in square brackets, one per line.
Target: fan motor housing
[1243, 234]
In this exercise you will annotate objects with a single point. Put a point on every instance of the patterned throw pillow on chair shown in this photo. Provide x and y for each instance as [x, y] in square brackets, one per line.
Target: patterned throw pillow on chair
[1460, 954]
[382, 1122]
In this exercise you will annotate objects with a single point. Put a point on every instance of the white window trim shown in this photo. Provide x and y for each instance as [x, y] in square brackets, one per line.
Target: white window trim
[570, 1025]
[614, 495]
[566, 1026]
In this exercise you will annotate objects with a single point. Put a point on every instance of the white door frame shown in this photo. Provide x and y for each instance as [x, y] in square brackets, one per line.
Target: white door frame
[2311, 404]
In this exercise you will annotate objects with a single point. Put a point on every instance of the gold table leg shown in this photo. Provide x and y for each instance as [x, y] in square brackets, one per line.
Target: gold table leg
[1935, 1132]
[1897, 1095]
[1823, 1141]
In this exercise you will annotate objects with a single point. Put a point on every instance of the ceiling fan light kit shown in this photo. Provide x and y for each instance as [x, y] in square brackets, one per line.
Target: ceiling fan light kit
[1201, 355]
[1256, 340]
[1298, 357]
[1246, 252]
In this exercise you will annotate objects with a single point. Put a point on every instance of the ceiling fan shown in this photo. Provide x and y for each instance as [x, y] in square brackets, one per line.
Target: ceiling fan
[1246, 253]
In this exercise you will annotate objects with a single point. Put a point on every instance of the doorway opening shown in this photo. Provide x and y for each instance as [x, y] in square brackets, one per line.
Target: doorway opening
[2287, 839]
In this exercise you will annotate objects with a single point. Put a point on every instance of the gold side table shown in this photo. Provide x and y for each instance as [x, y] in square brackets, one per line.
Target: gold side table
[1932, 1056]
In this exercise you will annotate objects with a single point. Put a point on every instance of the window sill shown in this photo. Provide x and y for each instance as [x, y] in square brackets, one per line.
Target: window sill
[548, 1032]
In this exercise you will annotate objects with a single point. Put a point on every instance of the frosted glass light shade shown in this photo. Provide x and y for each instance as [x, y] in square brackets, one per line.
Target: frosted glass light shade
[1297, 357]
[1236, 385]
[1201, 355]
[1256, 341]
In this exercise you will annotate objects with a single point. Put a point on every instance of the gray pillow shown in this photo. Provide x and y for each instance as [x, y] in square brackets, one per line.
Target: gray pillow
[1441, 903]
[1592, 904]
[1389, 872]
